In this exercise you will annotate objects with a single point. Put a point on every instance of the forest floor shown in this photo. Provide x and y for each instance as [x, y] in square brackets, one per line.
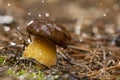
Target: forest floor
[94, 52]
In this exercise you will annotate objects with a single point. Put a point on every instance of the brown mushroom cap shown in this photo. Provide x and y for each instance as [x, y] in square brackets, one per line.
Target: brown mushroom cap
[50, 30]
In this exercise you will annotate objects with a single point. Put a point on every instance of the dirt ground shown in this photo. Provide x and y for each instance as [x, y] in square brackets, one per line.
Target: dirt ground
[94, 51]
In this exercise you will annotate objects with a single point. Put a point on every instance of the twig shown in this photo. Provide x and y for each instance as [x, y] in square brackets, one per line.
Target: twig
[69, 61]
[78, 48]
[104, 69]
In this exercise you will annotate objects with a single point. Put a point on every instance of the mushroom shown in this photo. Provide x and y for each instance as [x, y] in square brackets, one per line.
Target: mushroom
[47, 35]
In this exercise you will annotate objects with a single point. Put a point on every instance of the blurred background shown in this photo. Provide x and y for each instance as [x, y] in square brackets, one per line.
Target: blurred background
[93, 18]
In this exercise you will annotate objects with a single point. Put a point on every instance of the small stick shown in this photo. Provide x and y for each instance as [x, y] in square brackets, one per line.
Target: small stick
[65, 57]
[108, 68]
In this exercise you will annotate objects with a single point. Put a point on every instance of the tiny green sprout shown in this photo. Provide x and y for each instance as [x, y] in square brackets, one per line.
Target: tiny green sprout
[40, 75]
[33, 75]
[10, 71]
[21, 72]
[1, 59]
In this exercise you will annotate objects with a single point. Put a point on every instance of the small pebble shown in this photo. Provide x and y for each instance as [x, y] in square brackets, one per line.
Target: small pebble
[117, 41]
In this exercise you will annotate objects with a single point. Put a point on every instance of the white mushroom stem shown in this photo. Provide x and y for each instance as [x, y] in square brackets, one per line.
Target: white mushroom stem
[42, 50]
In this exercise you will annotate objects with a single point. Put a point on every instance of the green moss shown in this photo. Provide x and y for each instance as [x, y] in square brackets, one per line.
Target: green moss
[26, 74]
[1, 59]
